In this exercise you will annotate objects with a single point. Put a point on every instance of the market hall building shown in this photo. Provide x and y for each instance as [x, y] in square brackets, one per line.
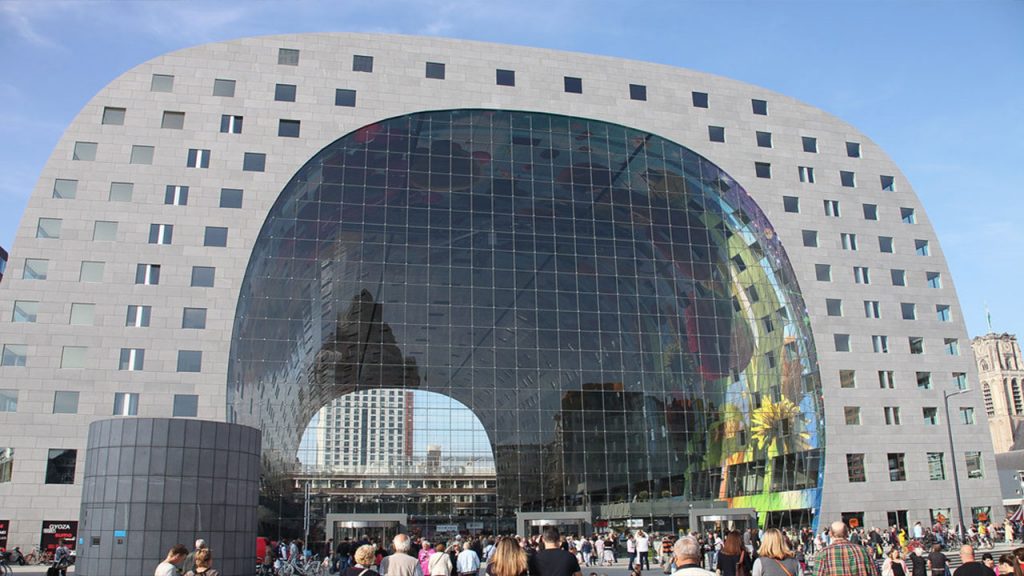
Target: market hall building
[657, 290]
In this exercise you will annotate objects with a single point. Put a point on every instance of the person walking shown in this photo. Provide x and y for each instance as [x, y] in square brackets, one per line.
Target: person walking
[842, 557]
[175, 556]
[631, 551]
[686, 553]
[937, 561]
[970, 566]
[440, 563]
[364, 557]
[202, 563]
[732, 555]
[894, 564]
[551, 560]
[426, 551]
[774, 557]
[400, 563]
[467, 563]
[190, 561]
[643, 546]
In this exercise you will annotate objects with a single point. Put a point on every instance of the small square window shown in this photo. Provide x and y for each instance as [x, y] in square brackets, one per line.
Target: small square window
[91, 272]
[847, 179]
[203, 276]
[362, 63]
[193, 318]
[82, 314]
[853, 149]
[847, 378]
[147, 274]
[65, 189]
[573, 85]
[870, 211]
[185, 406]
[916, 344]
[885, 244]
[8, 403]
[899, 277]
[763, 169]
[700, 99]
[14, 355]
[967, 417]
[861, 275]
[505, 77]
[791, 204]
[60, 466]
[960, 380]
[231, 198]
[288, 57]
[842, 342]
[138, 316]
[924, 380]
[872, 309]
[132, 359]
[84, 151]
[810, 238]
[888, 183]
[823, 272]
[897, 468]
[810, 144]
[73, 357]
[834, 306]
[435, 70]
[173, 120]
[344, 97]
[113, 116]
[103, 231]
[848, 241]
[162, 83]
[198, 158]
[764, 139]
[254, 162]
[855, 468]
[161, 234]
[141, 155]
[215, 236]
[176, 195]
[284, 93]
[908, 216]
[288, 128]
[231, 124]
[637, 92]
[25, 312]
[126, 404]
[892, 415]
[716, 133]
[886, 379]
[190, 361]
[48, 228]
[832, 208]
[952, 346]
[921, 248]
[806, 174]
[943, 313]
[35, 269]
[224, 88]
[908, 310]
[852, 414]
[121, 191]
[760, 107]
[934, 279]
[880, 344]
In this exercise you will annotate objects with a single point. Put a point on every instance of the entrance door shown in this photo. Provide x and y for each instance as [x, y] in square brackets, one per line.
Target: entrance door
[381, 532]
[566, 527]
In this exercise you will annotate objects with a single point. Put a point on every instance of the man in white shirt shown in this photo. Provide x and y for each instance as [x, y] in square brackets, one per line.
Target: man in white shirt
[643, 544]
[467, 563]
[686, 555]
[401, 563]
[169, 567]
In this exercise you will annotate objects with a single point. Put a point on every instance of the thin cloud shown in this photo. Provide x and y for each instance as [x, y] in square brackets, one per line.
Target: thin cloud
[19, 16]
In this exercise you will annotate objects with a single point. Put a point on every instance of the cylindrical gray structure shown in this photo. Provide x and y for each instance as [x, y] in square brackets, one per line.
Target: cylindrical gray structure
[151, 483]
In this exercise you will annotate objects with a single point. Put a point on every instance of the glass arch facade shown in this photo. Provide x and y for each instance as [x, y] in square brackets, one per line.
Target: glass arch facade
[614, 308]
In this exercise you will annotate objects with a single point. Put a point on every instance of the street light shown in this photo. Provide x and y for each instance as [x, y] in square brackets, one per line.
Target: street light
[952, 452]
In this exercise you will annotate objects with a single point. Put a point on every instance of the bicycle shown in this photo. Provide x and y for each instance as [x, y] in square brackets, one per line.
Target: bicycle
[5, 567]
[35, 557]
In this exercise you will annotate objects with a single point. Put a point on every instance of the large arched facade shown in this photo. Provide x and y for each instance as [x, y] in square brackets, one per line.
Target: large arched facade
[614, 308]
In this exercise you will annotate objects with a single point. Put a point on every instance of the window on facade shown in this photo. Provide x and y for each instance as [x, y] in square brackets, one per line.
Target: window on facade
[84, 151]
[173, 120]
[91, 272]
[60, 466]
[48, 228]
[362, 63]
[967, 415]
[203, 276]
[82, 314]
[73, 357]
[716, 133]
[103, 231]
[6, 458]
[952, 346]
[121, 191]
[254, 162]
[193, 318]
[141, 155]
[284, 92]
[132, 359]
[8, 400]
[886, 379]
[880, 343]
[810, 144]
[872, 309]
[791, 204]
[908, 216]
[764, 139]
[215, 236]
[806, 174]
[810, 238]
[930, 415]
[847, 378]
[842, 342]
[852, 415]
[699, 99]
[65, 402]
[288, 128]
[287, 57]
[916, 344]
[908, 310]
[870, 211]
[185, 406]
[899, 277]
[763, 169]
[126, 404]
[834, 306]
[934, 279]
[897, 468]
[759, 107]
[161, 233]
[230, 124]
[198, 158]
[974, 469]
[225, 88]
[853, 149]
[861, 275]
[823, 272]
[231, 198]
[113, 116]
[435, 70]
[936, 466]
[855, 468]
[147, 274]
[573, 85]
[943, 313]
[505, 77]
[960, 380]
[847, 179]
[637, 92]
[35, 269]
[161, 83]
[14, 355]
[138, 316]
[25, 311]
[344, 97]
[885, 244]
[892, 415]
[65, 189]
[921, 248]
[832, 208]
[190, 360]
[888, 183]
[176, 195]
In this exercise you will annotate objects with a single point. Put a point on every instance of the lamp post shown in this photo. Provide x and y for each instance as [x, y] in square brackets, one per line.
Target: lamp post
[952, 452]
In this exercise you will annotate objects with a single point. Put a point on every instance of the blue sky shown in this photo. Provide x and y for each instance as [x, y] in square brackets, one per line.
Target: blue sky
[938, 84]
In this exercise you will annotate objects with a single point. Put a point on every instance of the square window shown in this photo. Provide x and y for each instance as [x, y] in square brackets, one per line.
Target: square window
[897, 468]
[759, 107]
[855, 468]
[806, 174]
[185, 406]
[847, 179]
[810, 144]
[936, 466]
[872, 309]
[173, 120]
[960, 380]
[113, 116]
[362, 63]
[230, 124]
[435, 70]
[908, 310]
[147, 274]
[141, 155]
[48, 228]
[103, 231]
[852, 414]
[834, 306]
[224, 88]
[82, 314]
[35, 269]
[343, 97]
[764, 139]
[934, 279]
[287, 57]
[853, 149]
[886, 379]
[194, 318]
[132, 359]
[161, 233]
[974, 469]
[908, 216]
[121, 191]
[842, 342]
[25, 311]
[60, 466]
[73, 357]
[215, 236]
[138, 316]
[885, 244]
[288, 128]
[861, 275]
[899, 277]
[823, 272]
[831, 208]
[700, 99]
[161, 83]
[892, 415]
[91, 272]
[230, 198]
[85, 151]
[637, 92]
[203, 276]
[573, 85]
[190, 361]
[880, 344]
[791, 204]
[716, 133]
[943, 313]
[924, 380]
[126, 404]
[916, 344]
[65, 402]
[8, 403]
[65, 189]
[847, 379]
[176, 195]
[952, 346]
[763, 169]
[888, 183]
[14, 355]
[284, 92]
[921, 248]
[870, 211]
[967, 416]
[254, 162]
[198, 158]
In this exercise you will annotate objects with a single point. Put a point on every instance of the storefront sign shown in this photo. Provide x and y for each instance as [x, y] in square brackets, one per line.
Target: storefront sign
[447, 528]
[57, 531]
[4, 525]
[474, 525]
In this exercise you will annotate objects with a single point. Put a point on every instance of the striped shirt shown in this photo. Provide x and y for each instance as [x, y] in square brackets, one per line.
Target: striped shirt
[843, 558]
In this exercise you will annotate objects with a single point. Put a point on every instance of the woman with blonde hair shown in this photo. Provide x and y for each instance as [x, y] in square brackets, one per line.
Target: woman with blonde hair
[774, 556]
[364, 558]
[203, 559]
[509, 558]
